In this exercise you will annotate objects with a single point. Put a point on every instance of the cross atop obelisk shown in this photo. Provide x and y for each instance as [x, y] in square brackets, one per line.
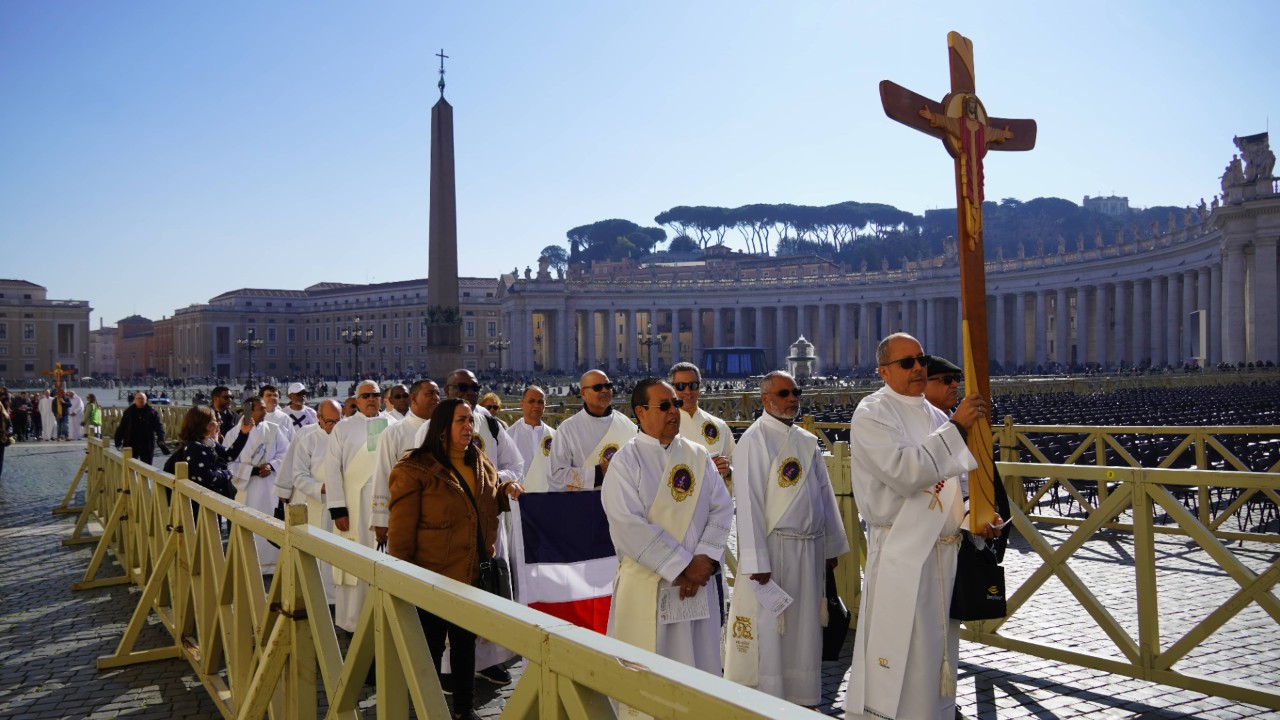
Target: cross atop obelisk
[967, 132]
[442, 57]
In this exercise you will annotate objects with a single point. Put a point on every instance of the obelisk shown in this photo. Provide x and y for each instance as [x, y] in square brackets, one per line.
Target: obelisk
[444, 321]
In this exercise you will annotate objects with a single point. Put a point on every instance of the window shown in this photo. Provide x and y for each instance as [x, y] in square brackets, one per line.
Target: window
[471, 330]
[28, 331]
[470, 348]
[271, 352]
[4, 350]
[396, 331]
[493, 328]
[291, 334]
[4, 331]
[308, 334]
[271, 334]
[29, 367]
[28, 351]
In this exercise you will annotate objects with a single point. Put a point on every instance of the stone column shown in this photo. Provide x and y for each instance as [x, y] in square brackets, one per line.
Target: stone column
[758, 312]
[1215, 319]
[781, 343]
[677, 350]
[866, 348]
[739, 338]
[1019, 356]
[1233, 278]
[693, 354]
[1266, 344]
[1101, 322]
[611, 337]
[1173, 353]
[631, 340]
[1202, 303]
[717, 328]
[1062, 325]
[1041, 326]
[844, 336]
[998, 332]
[1120, 332]
[566, 330]
[1159, 320]
[589, 353]
[1141, 335]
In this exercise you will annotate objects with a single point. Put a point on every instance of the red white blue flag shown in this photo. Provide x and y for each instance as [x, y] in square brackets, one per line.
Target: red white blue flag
[563, 557]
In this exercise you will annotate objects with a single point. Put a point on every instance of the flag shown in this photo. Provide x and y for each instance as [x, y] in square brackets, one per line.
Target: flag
[563, 556]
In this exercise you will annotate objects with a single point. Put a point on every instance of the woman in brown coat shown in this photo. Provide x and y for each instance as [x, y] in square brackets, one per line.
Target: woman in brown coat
[433, 525]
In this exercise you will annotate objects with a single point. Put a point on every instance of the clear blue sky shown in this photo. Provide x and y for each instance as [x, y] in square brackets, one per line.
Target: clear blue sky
[155, 154]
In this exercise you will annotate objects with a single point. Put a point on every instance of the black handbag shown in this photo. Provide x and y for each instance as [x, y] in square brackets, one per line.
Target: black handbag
[495, 574]
[978, 593]
[838, 617]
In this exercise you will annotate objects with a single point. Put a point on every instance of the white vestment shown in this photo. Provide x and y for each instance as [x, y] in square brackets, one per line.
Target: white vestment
[534, 444]
[76, 418]
[582, 441]
[397, 440]
[281, 418]
[395, 414]
[904, 655]
[644, 474]
[48, 421]
[299, 481]
[709, 431]
[788, 525]
[353, 457]
[266, 444]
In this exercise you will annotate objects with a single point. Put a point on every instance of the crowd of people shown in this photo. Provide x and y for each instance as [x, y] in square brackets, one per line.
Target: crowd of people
[51, 415]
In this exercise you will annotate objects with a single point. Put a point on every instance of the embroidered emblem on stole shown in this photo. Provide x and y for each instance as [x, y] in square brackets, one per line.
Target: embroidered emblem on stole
[608, 451]
[546, 446]
[710, 432]
[789, 472]
[680, 482]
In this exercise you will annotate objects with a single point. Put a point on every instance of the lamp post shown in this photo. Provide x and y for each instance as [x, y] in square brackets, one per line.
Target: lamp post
[250, 343]
[499, 345]
[649, 340]
[356, 335]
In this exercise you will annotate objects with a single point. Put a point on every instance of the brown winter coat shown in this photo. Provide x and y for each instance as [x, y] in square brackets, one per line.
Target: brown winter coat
[432, 522]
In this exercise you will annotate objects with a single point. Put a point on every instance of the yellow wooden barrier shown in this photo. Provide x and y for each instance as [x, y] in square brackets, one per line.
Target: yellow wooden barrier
[269, 650]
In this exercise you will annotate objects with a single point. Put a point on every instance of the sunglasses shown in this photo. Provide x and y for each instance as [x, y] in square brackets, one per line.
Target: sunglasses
[788, 392]
[947, 379]
[466, 387]
[666, 405]
[366, 396]
[399, 396]
[598, 387]
[907, 363]
[682, 385]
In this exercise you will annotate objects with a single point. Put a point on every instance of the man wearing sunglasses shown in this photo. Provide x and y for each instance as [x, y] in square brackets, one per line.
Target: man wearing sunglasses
[669, 517]
[396, 402]
[298, 479]
[789, 533]
[905, 456]
[220, 400]
[348, 473]
[497, 445]
[699, 425]
[586, 441]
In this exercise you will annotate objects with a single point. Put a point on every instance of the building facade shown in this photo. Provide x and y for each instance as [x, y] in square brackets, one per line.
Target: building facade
[311, 332]
[36, 332]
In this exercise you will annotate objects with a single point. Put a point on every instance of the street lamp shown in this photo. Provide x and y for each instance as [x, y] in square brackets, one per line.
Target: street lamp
[499, 345]
[649, 340]
[250, 343]
[357, 335]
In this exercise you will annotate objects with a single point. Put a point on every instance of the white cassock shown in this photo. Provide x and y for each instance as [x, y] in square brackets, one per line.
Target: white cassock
[281, 418]
[582, 441]
[534, 444]
[788, 525]
[665, 505]
[300, 478]
[904, 655]
[709, 431]
[48, 421]
[266, 444]
[75, 418]
[353, 457]
[502, 452]
[394, 413]
[299, 419]
[398, 439]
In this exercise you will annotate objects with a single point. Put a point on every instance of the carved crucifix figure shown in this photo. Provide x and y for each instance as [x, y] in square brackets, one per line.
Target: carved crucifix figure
[58, 373]
[966, 131]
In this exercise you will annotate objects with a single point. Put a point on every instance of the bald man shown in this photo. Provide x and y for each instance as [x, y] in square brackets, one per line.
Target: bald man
[586, 442]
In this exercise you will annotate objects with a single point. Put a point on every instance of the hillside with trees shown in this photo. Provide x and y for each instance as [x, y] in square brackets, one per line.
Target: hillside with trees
[853, 232]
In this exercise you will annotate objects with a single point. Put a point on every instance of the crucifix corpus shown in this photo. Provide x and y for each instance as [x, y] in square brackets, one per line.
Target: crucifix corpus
[58, 373]
[967, 132]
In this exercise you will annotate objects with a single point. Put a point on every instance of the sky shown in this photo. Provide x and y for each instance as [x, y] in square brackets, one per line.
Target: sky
[156, 154]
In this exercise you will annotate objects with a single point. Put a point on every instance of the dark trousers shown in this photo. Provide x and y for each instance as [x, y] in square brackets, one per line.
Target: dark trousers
[462, 656]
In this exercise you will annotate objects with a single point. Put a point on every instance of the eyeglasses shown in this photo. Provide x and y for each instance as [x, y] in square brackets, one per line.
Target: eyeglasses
[366, 396]
[785, 393]
[907, 363]
[399, 396]
[947, 379]
[693, 385]
[466, 387]
[598, 387]
[665, 405]
[328, 422]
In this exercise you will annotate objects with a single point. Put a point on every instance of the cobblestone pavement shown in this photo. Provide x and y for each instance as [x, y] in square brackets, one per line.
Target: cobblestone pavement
[52, 634]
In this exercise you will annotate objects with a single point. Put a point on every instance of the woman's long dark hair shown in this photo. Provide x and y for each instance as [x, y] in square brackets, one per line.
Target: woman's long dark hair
[436, 444]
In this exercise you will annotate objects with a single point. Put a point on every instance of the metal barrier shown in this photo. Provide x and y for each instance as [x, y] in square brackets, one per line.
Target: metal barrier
[260, 650]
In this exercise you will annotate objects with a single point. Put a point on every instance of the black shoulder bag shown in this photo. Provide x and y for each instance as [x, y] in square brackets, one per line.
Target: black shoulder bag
[495, 574]
[978, 593]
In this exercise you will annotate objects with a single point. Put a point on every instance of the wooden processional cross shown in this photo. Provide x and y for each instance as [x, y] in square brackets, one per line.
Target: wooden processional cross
[967, 132]
[58, 373]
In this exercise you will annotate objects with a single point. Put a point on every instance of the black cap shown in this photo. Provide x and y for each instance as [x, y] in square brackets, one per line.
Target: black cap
[941, 365]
